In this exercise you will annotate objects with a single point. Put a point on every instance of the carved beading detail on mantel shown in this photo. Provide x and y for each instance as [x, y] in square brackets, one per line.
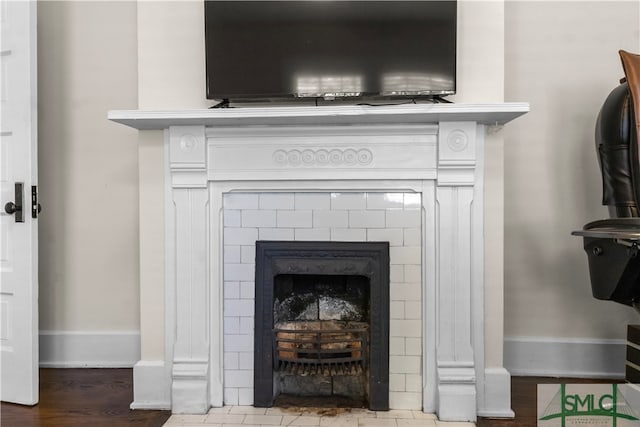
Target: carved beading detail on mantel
[323, 157]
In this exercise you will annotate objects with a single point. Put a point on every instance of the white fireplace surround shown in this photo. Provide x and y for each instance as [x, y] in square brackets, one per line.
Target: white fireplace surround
[435, 151]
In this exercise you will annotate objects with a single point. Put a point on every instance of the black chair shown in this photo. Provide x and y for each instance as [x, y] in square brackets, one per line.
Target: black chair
[612, 245]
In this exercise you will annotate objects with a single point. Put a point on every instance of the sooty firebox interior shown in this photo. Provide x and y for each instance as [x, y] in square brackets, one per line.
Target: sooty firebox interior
[322, 323]
[321, 331]
[320, 297]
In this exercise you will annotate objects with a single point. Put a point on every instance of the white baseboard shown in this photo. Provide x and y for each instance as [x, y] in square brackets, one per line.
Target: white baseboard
[565, 357]
[497, 394]
[151, 388]
[89, 349]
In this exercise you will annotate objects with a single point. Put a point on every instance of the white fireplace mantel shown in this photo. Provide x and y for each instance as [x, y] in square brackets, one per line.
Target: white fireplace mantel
[487, 114]
[434, 150]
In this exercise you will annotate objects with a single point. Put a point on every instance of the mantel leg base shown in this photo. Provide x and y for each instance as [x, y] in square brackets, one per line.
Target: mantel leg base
[190, 389]
[457, 402]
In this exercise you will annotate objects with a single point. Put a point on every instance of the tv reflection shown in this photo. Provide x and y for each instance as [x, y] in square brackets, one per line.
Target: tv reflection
[414, 83]
[328, 86]
[353, 85]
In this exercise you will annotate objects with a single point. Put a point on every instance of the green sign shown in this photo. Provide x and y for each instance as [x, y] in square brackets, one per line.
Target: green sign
[566, 405]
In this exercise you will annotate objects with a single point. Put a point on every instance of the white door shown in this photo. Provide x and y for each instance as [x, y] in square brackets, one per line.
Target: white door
[18, 230]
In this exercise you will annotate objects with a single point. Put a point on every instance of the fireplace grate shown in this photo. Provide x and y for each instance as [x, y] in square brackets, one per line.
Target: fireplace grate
[321, 348]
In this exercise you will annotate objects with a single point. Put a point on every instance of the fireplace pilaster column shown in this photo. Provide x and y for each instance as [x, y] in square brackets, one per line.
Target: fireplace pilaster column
[456, 373]
[190, 373]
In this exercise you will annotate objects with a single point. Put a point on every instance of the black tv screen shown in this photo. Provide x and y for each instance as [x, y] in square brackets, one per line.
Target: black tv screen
[331, 49]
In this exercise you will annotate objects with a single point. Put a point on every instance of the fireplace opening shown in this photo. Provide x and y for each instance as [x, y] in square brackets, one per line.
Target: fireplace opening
[321, 333]
[322, 324]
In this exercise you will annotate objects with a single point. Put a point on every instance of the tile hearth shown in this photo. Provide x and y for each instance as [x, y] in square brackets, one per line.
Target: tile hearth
[248, 416]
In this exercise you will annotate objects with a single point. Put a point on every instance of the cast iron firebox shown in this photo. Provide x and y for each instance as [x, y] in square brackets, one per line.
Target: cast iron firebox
[366, 259]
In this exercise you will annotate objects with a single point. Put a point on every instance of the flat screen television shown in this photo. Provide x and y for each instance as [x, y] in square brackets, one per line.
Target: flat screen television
[329, 49]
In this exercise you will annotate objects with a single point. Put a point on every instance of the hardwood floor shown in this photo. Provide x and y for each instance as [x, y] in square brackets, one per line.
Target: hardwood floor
[101, 397]
[82, 397]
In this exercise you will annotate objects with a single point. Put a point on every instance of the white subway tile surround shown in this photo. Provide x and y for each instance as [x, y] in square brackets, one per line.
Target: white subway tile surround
[328, 216]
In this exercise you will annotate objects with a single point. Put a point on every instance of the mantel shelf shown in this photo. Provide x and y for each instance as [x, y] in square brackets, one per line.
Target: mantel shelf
[488, 114]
